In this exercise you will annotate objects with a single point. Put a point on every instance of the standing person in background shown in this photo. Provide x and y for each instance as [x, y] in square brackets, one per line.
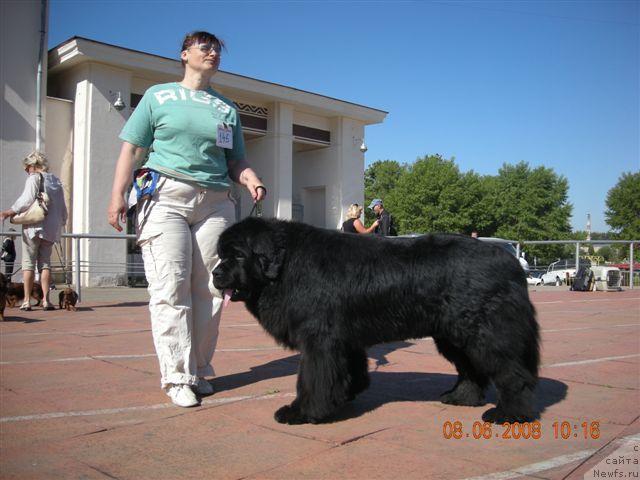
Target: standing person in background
[38, 238]
[198, 149]
[8, 255]
[353, 224]
[385, 227]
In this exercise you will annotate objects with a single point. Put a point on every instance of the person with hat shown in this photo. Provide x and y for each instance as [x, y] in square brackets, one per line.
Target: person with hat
[353, 224]
[385, 226]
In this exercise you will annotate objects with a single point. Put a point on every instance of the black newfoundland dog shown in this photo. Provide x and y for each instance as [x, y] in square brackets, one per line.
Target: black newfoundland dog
[331, 295]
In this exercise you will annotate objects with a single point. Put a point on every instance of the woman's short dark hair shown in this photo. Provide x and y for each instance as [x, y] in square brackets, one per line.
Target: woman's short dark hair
[195, 38]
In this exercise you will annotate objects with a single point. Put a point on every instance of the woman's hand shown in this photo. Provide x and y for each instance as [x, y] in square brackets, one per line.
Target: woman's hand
[257, 191]
[256, 188]
[240, 172]
[117, 212]
[6, 214]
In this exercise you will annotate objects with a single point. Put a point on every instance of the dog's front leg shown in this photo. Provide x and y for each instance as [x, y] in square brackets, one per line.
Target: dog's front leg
[323, 385]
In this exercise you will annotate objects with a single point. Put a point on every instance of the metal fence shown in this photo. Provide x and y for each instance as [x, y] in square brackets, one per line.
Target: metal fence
[133, 269]
[71, 269]
[630, 276]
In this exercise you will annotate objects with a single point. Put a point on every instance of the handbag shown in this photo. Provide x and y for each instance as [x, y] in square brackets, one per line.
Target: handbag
[37, 210]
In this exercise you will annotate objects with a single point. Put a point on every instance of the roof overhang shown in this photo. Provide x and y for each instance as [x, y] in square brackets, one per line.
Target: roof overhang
[78, 50]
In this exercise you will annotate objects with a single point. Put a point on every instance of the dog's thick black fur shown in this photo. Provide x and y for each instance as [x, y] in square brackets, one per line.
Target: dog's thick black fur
[331, 295]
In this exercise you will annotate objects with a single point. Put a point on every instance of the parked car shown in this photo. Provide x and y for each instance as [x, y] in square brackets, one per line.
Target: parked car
[534, 278]
[557, 275]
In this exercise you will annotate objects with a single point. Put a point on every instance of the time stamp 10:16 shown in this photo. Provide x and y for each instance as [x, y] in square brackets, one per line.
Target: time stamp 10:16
[527, 430]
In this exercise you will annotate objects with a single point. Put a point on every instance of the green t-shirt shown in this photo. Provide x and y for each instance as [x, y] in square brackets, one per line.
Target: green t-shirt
[181, 126]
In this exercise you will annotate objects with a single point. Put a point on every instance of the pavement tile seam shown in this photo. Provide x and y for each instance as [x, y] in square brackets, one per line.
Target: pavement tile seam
[112, 411]
[290, 463]
[535, 468]
[330, 443]
[614, 441]
[98, 470]
[119, 365]
[568, 380]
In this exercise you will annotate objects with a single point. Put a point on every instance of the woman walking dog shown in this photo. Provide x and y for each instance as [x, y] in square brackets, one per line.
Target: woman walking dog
[38, 238]
[198, 149]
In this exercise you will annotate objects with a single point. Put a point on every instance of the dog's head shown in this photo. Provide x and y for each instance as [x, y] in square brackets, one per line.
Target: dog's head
[251, 256]
[68, 295]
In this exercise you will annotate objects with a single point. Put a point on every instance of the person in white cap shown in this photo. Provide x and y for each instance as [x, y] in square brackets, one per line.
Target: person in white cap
[385, 222]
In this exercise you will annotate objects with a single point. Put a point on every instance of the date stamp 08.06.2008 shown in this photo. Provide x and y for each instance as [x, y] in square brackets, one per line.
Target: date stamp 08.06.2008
[559, 430]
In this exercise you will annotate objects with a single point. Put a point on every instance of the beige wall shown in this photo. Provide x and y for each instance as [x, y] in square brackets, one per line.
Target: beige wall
[19, 26]
[325, 179]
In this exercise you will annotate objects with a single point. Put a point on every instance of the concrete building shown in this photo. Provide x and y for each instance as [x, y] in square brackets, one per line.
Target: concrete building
[305, 146]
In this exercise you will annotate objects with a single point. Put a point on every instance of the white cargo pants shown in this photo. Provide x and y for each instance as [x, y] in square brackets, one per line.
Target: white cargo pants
[179, 239]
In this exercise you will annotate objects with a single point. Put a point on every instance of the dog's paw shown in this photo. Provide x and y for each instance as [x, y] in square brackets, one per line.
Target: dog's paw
[496, 415]
[290, 415]
[453, 397]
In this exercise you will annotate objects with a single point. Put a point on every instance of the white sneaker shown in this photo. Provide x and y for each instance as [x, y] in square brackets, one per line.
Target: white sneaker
[182, 396]
[203, 387]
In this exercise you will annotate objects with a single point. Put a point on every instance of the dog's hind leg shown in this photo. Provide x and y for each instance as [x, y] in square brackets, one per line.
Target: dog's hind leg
[515, 386]
[323, 385]
[470, 386]
[358, 371]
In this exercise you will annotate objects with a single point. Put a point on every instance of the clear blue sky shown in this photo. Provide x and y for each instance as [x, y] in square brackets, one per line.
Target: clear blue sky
[487, 82]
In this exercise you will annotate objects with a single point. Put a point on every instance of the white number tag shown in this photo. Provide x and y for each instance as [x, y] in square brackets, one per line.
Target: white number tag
[225, 136]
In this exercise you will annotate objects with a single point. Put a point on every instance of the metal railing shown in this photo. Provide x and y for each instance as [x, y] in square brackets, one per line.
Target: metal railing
[588, 242]
[79, 266]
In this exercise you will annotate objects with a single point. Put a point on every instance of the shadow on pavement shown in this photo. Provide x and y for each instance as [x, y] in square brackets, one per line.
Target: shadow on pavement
[387, 387]
[123, 304]
[13, 318]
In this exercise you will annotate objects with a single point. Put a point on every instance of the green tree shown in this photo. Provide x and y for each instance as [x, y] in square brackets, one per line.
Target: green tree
[532, 204]
[433, 196]
[623, 207]
[379, 180]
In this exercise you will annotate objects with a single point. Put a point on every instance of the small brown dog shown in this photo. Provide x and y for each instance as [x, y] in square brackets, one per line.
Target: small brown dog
[68, 299]
[15, 294]
[3, 295]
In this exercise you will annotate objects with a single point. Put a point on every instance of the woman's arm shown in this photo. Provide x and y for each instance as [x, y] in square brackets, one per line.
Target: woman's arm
[241, 172]
[360, 228]
[117, 210]
[25, 200]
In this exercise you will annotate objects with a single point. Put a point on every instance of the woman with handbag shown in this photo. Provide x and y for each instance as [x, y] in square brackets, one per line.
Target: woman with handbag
[42, 212]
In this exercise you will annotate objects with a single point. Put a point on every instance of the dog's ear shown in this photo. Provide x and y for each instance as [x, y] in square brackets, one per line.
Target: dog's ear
[269, 253]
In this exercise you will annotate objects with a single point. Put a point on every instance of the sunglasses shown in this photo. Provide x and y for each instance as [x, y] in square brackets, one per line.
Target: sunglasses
[207, 48]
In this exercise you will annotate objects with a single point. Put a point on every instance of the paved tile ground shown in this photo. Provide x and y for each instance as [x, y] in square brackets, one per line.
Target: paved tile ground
[80, 399]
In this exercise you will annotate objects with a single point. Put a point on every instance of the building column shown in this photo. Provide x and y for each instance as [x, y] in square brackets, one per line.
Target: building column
[347, 162]
[280, 152]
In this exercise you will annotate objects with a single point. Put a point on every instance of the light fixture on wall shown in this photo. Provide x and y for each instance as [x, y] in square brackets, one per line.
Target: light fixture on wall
[118, 103]
[363, 148]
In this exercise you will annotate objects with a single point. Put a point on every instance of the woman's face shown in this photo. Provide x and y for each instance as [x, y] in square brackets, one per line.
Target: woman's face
[202, 57]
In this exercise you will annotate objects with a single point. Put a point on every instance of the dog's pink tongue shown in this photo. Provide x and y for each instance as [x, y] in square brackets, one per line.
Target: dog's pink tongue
[227, 297]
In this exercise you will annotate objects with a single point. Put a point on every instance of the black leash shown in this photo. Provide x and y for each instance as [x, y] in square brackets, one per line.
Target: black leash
[257, 206]
[63, 262]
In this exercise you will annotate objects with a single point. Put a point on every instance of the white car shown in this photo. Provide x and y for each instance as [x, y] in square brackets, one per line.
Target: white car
[557, 275]
[534, 281]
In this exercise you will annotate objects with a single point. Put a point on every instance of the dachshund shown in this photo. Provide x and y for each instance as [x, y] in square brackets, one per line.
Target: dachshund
[68, 299]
